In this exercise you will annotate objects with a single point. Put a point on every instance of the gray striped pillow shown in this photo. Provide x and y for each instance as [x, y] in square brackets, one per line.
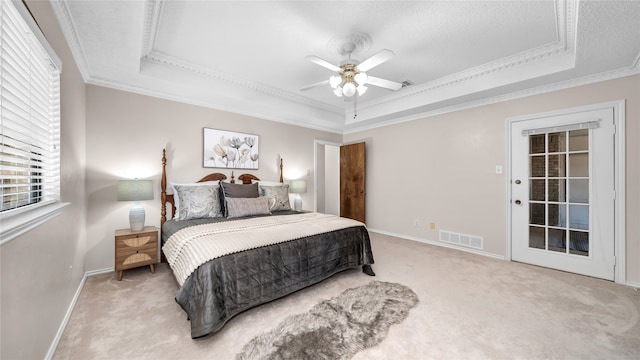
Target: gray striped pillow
[239, 207]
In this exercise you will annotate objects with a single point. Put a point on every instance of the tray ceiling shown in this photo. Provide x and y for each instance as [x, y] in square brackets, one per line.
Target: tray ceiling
[249, 57]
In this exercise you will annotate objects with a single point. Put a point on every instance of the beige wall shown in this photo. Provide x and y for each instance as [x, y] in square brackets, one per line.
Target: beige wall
[41, 270]
[126, 133]
[441, 169]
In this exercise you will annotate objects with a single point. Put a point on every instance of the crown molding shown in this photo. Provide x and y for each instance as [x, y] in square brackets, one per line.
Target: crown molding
[170, 61]
[188, 100]
[564, 44]
[61, 11]
[381, 110]
[562, 85]
[153, 15]
[636, 63]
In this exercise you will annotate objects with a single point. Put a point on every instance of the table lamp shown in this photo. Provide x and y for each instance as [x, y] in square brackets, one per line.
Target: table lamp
[298, 187]
[135, 190]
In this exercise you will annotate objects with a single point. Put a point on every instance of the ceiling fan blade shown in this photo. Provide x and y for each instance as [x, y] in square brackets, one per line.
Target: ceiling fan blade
[387, 84]
[377, 59]
[324, 63]
[324, 82]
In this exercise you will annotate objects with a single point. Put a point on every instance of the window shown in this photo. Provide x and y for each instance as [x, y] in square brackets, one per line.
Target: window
[30, 115]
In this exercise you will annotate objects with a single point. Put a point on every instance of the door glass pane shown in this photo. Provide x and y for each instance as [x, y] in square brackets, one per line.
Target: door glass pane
[579, 217]
[557, 215]
[579, 243]
[557, 142]
[536, 144]
[579, 165]
[536, 214]
[579, 140]
[557, 165]
[537, 167]
[536, 237]
[557, 190]
[579, 191]
[536, 189]
[558, 240]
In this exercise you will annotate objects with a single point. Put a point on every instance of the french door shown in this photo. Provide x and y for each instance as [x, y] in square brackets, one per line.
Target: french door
[563, 192]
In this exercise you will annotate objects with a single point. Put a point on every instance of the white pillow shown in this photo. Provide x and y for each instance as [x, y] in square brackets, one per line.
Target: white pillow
[176, 198]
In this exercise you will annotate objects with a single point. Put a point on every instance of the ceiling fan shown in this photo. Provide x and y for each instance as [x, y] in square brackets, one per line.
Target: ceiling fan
[351, 75]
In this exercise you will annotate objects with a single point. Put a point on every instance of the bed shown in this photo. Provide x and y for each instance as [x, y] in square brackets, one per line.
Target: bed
[231, 259]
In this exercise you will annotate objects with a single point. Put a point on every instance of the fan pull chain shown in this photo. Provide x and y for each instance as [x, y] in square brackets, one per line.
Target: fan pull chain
[355, 107]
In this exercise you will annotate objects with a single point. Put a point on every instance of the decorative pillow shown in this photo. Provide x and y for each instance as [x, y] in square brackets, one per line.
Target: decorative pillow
[198, 202]
[278, 197]
[176, 198]
[239, 207]
[239, 190]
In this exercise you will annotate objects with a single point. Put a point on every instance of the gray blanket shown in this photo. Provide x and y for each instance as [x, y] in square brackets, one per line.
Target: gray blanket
[226, 286]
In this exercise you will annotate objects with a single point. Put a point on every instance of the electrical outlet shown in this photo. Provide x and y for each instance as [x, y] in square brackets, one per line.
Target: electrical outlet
[432, 225]
[416, 223]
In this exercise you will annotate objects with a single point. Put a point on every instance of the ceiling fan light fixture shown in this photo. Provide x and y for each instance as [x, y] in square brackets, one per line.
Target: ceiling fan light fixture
[338, 92]
[361, 78]
[334, 81]
[348, 89]
[361, 90]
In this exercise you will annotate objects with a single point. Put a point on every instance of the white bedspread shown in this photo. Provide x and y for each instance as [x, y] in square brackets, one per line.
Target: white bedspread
[191, 247]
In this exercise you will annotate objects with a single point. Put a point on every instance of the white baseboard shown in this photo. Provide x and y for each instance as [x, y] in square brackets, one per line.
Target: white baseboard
[483, 253]
[67, 316]
[633, 284]
[438, 243]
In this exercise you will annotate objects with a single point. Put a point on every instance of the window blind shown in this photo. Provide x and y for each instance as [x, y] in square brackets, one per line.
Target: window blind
[30, 114]
[584, 125]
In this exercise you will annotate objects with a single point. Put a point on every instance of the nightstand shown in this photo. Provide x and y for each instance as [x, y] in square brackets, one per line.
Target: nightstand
[136, 248]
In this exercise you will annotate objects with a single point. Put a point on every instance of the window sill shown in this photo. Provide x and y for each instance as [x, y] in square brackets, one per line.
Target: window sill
[18, 224]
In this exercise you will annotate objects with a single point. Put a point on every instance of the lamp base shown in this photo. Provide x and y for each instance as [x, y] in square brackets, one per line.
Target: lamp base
[136, 217]
[297, 203]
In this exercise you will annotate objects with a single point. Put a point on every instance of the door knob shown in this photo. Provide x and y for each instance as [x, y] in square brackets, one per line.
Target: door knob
[518, 202]
[518, 182]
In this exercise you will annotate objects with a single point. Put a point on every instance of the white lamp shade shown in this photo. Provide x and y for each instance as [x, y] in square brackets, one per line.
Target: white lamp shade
[135, 190]
[361, 78]
[334, 81]
[338, 92]
[348, 89]
[298, 187]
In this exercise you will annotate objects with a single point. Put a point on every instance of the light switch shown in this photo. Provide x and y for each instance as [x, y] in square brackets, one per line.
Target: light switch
[498, 169]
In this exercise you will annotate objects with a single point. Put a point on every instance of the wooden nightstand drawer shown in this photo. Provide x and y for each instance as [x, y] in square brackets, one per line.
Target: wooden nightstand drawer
[135, 248]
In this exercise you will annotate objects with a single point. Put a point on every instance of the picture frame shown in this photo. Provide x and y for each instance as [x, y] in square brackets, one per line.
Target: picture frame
[230, 149]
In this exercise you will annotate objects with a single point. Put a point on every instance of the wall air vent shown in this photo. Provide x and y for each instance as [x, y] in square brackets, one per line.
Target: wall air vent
[407, 83]
[471, 241]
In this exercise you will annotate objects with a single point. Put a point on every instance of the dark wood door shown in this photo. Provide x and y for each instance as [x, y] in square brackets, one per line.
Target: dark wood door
[352, 181]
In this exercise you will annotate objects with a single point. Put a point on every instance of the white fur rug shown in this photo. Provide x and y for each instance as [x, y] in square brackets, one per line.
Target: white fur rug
[337, 328]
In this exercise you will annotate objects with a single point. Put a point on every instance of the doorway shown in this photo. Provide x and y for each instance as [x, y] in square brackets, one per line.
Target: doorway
[563, 205]
[327, 177]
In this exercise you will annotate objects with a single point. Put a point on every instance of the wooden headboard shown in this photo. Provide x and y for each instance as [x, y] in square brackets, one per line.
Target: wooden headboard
[168, 198]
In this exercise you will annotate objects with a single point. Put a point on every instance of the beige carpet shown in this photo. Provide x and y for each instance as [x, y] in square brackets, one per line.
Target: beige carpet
[471, 307]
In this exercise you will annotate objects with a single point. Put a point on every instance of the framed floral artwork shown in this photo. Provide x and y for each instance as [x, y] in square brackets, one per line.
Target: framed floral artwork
[231, 150]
